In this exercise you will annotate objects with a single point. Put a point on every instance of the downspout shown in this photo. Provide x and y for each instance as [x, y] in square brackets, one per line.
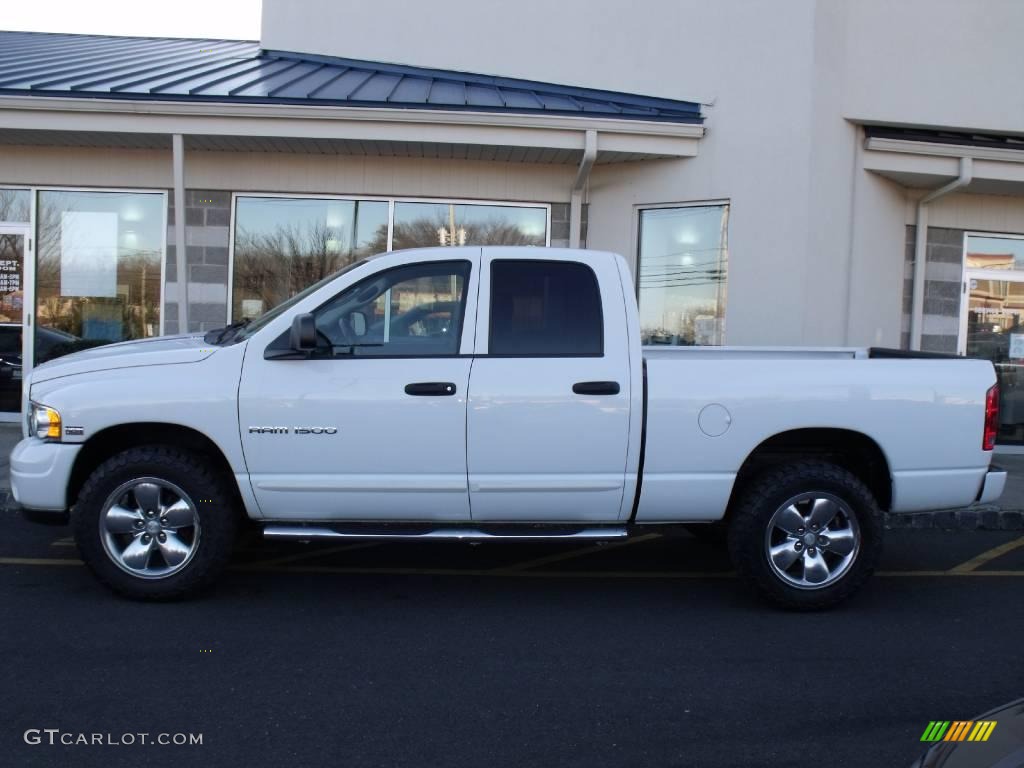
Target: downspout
[180, 260]
[921, 247]
[576, 198]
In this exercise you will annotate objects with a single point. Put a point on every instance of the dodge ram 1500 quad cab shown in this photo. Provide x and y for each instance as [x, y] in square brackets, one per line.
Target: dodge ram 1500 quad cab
[493, 393]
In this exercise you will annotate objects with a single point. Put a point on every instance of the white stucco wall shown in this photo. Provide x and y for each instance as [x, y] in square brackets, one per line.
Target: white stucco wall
[816, 242]
[812, 236]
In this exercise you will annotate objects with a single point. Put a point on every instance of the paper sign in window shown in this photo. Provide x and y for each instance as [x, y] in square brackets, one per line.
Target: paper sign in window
[1016, 345]
[88, 258]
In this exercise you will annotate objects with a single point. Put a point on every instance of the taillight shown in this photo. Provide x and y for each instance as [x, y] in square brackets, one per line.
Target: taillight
[988, 441]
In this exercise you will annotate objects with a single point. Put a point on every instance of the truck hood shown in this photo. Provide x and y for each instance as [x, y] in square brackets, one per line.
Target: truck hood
[162, 350]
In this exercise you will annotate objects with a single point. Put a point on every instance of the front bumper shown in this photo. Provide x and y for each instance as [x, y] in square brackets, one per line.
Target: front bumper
[992, 486]
[40, 472]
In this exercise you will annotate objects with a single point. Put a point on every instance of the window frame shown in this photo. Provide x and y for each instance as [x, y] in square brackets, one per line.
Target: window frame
[972, 273]
[391, 200]
[280, 343]
[639, 208]
[549, 355]
[29, 268]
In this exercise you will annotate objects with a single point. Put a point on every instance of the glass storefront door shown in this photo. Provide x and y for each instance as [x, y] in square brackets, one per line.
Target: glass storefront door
[13, 239]
[992, 322]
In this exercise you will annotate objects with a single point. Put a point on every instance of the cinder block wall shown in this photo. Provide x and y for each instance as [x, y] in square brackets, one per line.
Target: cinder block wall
[944, 258]
[207, 238]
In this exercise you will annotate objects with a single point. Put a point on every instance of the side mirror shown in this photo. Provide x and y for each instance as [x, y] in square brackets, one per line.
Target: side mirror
[303, 335]
[357, 322]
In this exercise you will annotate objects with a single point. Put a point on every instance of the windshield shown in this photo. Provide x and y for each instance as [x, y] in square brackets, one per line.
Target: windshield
[250, 328]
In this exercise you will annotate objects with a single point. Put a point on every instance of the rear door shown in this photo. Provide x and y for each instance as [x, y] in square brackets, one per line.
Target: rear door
[549, 392]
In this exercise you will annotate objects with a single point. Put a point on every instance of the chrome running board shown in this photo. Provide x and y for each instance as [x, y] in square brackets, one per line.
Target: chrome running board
[410, 533]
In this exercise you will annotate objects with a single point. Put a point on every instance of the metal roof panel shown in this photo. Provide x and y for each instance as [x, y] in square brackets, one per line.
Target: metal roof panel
[237, 71]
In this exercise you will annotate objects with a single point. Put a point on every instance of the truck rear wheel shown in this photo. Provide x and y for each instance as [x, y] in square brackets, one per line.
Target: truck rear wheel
[806, 534]
[154, 523]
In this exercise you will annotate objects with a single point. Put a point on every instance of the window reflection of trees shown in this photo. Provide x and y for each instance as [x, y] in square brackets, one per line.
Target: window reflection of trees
[134, 313]
[423, 232]
[272, 267]
[15, 205]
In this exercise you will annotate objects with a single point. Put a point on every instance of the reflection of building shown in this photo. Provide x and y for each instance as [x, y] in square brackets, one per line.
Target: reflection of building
[761, 193]
[989, 260]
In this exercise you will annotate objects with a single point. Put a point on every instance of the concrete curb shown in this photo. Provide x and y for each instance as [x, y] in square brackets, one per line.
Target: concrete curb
[981, 518]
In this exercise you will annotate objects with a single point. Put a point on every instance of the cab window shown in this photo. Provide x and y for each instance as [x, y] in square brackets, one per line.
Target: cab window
[411, 311]
[545, 309]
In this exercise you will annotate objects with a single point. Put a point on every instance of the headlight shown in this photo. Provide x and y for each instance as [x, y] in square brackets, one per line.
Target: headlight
[43, 422]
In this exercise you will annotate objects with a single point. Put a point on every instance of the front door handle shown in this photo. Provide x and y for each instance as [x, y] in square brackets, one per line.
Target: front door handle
[596, 388]
[430, 389]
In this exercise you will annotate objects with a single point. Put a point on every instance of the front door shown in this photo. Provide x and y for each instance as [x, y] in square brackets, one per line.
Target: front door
[549, 397]
[13, 241]
[992, 320]
[373, 425]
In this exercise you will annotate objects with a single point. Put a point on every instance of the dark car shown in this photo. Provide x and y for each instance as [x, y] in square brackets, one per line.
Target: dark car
[50, 343]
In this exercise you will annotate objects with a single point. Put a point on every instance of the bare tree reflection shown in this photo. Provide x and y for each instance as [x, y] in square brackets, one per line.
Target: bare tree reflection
[133, 313]
[271, 267]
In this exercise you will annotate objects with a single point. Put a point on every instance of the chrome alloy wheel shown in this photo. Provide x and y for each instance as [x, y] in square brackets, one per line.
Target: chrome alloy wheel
[812, 540]
[149, 528]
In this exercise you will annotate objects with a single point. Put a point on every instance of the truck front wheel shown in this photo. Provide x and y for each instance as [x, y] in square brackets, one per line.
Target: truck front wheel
[806, 534]
[154, 523]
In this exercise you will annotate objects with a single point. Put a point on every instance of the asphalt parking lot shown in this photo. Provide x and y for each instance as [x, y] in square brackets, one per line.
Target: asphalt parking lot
[640, 653]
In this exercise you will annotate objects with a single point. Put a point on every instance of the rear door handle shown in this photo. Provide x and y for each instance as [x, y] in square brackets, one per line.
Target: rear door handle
[430, 389]
[596, 388]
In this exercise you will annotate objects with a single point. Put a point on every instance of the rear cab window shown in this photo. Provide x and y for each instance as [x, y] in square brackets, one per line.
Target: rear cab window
[545, 309]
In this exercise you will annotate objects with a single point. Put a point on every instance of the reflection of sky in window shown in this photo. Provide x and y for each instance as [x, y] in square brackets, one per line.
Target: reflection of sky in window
[981, 245]
[140, 216]
[681, 266]
[261, 217]
[531, 222]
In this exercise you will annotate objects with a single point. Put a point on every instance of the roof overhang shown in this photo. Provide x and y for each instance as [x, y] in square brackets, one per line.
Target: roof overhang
[345, 129]
[926, 165]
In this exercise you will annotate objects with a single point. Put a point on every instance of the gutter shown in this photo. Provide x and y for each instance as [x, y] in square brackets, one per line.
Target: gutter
[576, 196]
[921, 243]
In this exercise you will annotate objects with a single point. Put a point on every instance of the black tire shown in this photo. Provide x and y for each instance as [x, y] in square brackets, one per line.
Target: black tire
[770, 492]
[214, 506]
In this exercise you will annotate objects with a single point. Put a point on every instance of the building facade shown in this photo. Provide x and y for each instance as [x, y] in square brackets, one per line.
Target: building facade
[813, 172]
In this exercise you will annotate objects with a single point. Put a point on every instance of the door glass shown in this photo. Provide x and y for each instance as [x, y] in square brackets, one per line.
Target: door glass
[995, 331]
[542, 308]
[12, 255]
[98, 267]
[410, 311]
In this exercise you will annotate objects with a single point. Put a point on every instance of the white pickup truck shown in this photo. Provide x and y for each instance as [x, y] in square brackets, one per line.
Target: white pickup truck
[493, 393]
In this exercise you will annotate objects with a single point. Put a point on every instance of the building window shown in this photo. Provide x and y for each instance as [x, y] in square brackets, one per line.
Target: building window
[98, 269]
[419, 225]
[283, 245]
[992, 321]
[15, 205]
[682, 274]
[545, 308]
